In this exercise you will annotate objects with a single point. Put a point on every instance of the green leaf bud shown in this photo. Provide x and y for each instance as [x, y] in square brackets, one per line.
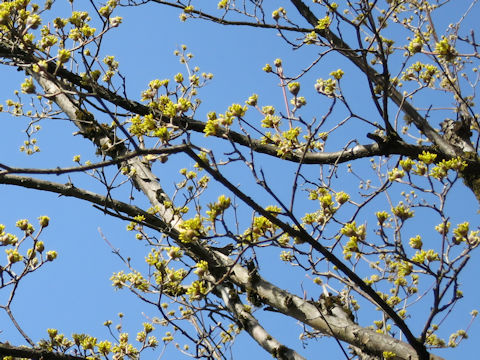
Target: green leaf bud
[51, 255]
[252, 100]
[267, 68]
[294, 88]
[44, 221]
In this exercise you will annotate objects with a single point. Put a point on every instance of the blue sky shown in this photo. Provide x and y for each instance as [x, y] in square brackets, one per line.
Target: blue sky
[74, 293]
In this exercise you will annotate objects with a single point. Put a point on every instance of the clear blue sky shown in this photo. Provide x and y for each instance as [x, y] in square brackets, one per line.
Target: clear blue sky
[74, 293]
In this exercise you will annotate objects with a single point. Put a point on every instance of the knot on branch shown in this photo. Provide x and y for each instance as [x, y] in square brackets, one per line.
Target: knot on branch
[458, 133]
[253, 278]
[387, 142]
[335, 305]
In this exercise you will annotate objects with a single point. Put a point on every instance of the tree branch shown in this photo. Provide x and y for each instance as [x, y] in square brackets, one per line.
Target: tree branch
[70, 190]
[251, 325]
[343, 48]
[34, 354]
[59, 171]
[420, 348]
[149, 184]
[338, 44]
[336, 157]
[300, 309]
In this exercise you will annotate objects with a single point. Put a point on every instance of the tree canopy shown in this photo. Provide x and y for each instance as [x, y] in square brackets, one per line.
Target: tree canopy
[331, 193]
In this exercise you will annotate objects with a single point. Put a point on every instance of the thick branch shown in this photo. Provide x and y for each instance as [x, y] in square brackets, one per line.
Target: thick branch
[338, 44]
[34, 354]
[336, 157]
[144, 180]
[304, 311]
[70, 190]
[471, 175]
[328, 255]
[148, 183]
[251, 325]
[101, 164]
[249, 322]
[342, 47]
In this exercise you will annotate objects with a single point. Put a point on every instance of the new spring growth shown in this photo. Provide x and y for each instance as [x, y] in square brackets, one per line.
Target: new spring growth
[197, 290]
[395, 174]
[407, 164]
[218, 208]
[422, 255]
[7, 239]
[51, 255]
[416, 45]
[222, 4]
[63, 56]
[298, 102]
[445, 50]
[107, 10]
[174, 252]
[44, 221]
[440, 171]
[212, 126]
[443, 228]
[104, 347]
[351, 230]
[191, 229]
[236, 110]
[323, 23]
[267, 68]
[427, 158]
[337, 74]
[342, 197]
[402, 212]
[416, 242]
[252, 100]
[13, 256]
[79, 18]
[310, 38]
[280, 12]
[115, 21]
[294, 88]
[201, 268]
[24, 225]
[326, 87]
[39, 246]
[28, 87]
[178, 78]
